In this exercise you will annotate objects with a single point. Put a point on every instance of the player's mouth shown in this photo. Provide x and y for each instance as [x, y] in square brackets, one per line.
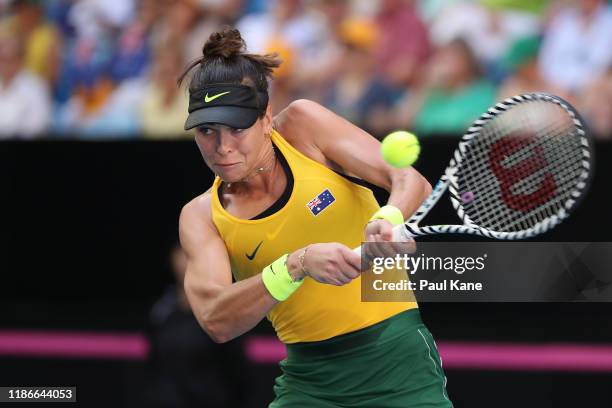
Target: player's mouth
[225, 165]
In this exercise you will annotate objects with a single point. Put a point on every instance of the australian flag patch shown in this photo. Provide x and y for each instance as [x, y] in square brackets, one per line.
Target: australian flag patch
[321, 202]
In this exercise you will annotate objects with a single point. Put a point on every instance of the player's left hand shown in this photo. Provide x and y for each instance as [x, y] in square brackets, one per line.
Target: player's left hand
[379, 238]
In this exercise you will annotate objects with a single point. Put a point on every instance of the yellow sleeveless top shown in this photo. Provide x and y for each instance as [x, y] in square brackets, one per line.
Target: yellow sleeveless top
[323, 207]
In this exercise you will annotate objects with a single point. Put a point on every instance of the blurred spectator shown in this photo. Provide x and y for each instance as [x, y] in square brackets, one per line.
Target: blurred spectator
[255, 6]
[292, 31]
[4, 5]
[452, 95]
[287, 20]
[187, 369]
[103, 110]
[92, 17]
[118, 116]
[488, 30]
[96, 59]
[186, 22]
[578, 45]
[85, 82]
[596, 106]
[24, 98]
[132, 50]
[58, 14]
[42, 40]
[224, 11]
[358, 93]
[316, 74]
[532, 6]
[522, 61]
[404, 42]
[102, 101]
[430, 9]
[163, 109]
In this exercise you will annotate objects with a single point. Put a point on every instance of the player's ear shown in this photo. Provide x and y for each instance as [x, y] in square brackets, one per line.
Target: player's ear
[267, 120]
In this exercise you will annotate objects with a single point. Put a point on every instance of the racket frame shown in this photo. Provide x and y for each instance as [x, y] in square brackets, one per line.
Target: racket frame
[448, 181]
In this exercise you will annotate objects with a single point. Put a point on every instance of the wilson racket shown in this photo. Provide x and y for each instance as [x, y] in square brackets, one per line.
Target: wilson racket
[519, 171]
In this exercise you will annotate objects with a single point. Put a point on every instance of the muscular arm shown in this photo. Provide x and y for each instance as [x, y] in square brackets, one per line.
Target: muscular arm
[328, 138]
[224, 309]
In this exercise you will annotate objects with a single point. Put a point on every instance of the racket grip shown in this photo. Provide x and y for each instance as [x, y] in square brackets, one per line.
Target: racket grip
[400, 234]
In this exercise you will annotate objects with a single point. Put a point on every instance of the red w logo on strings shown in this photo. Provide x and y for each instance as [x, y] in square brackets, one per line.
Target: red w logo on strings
[509, 176]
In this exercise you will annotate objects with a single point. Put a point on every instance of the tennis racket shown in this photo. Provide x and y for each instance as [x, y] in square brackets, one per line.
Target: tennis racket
[518, 171]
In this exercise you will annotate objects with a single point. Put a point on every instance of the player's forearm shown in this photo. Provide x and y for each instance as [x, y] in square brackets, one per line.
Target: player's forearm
[226, 313]
[408, 190]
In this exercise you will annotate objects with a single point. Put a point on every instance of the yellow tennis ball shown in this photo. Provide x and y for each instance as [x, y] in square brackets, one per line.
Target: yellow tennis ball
[400, 148]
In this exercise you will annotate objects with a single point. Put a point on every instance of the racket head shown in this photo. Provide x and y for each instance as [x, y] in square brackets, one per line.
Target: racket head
[522, 167]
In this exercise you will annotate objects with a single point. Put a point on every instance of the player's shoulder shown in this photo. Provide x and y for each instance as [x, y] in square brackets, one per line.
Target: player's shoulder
[296, 121]
[305, 123]
[299, 125]
[309, 127]
[298, 111]
[198, 210]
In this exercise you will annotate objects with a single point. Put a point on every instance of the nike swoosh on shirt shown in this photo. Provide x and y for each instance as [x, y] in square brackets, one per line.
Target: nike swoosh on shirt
[252, 256]
[212, 98]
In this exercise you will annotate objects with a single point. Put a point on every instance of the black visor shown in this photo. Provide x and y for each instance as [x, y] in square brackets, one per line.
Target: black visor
[233, 105]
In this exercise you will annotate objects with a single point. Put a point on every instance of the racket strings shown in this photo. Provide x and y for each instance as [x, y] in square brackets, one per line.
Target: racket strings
[566, 172]
[500, 220]
[522, 167]
[532, 182]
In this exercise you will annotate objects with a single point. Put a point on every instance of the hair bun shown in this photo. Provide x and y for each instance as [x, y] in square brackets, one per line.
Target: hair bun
[226, 43]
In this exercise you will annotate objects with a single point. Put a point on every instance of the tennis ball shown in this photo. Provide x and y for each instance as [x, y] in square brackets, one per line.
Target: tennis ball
[400, 148]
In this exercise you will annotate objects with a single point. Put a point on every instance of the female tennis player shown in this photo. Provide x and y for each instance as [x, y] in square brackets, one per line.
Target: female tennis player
[285, 209]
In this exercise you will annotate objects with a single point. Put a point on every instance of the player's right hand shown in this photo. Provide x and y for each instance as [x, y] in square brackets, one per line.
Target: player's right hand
[331, 263]
[379, 241]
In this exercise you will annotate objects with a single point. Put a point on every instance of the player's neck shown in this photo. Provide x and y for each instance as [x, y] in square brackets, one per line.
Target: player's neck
[261, 179]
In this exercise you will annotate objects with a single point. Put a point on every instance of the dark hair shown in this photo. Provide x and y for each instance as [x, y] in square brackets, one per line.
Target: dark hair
[225, 60]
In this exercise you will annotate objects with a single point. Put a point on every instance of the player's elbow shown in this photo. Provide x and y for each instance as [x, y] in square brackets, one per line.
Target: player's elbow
[216, 330]
[216, 335]
[220, 339]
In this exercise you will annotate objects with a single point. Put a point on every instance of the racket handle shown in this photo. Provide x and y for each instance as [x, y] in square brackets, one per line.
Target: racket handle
[400, 234]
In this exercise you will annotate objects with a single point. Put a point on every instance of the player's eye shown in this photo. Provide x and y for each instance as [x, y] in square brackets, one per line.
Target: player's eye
[237, 130]
[206, 130]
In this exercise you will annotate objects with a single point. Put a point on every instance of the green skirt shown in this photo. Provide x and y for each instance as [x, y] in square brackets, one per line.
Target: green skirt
[391, 364]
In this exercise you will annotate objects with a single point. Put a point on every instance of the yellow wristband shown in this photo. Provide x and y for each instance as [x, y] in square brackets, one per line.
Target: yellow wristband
[389, 213]
[277, 280]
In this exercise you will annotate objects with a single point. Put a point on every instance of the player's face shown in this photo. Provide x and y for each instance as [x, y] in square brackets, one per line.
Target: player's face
[232, 154]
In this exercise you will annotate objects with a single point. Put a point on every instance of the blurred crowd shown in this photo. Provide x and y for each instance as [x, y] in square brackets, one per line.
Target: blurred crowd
[108, 69]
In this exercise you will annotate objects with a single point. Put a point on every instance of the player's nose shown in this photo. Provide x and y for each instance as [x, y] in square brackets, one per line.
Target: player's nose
[225, 143]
